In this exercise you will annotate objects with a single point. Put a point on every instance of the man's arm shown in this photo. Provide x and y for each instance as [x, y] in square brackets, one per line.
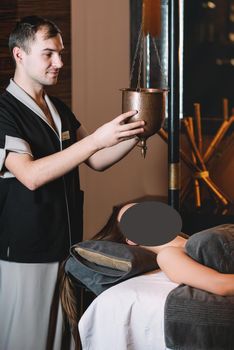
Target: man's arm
[35, 173]
[107, 157]
[182, 269]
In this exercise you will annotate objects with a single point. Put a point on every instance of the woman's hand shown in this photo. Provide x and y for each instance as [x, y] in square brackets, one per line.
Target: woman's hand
[117, 130]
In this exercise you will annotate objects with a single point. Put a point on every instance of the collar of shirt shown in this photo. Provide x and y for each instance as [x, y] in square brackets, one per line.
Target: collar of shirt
[28, 101]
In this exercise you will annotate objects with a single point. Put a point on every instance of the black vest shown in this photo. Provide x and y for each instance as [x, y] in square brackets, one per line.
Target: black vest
[38, 226]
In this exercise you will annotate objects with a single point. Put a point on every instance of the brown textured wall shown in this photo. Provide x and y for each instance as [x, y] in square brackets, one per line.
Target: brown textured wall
[57, 11]
[101, 31]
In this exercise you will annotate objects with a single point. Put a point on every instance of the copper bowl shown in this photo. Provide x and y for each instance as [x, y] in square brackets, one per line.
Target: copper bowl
[150, 104]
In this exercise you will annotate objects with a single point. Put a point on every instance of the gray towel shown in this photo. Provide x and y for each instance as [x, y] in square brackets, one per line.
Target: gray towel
[198, 320]
[195, 319]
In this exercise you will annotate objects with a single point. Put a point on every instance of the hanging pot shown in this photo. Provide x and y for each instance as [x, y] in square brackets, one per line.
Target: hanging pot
[150, 104]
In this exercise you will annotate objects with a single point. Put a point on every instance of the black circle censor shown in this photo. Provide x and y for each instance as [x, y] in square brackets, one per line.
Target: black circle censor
[150, 223]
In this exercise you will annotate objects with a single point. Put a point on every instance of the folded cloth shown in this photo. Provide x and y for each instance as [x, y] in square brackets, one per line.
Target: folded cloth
[195, 319]
[99, 265]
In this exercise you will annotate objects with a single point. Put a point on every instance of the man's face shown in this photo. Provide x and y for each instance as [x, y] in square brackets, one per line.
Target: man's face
[42, 64]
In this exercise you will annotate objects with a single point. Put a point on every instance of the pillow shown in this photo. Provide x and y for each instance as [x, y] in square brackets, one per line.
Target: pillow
[101, 264]
[103, 259]
[213, 247]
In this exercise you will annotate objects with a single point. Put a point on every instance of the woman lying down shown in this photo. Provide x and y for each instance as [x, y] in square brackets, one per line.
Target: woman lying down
[178, 259]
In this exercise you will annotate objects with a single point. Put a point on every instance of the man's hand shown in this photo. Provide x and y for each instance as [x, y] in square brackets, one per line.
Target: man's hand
[117, 130]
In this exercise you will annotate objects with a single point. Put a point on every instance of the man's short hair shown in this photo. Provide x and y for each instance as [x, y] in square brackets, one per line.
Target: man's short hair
[25, 30]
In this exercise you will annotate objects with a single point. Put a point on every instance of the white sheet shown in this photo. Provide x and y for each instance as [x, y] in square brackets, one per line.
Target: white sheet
[128, 316]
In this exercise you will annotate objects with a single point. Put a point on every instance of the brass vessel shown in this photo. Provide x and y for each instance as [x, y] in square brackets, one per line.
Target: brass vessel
[150, 104]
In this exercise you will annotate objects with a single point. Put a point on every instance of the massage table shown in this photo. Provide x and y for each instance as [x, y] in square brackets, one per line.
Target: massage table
[149, 312]
[128, 316]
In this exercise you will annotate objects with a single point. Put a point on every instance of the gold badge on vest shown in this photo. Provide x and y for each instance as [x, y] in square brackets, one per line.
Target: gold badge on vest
[65, 135]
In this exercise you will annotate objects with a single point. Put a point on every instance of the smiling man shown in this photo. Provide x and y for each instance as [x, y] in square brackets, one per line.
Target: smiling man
[41, 147]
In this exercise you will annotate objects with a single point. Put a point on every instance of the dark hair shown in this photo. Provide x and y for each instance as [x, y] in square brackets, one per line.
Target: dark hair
[25, 30]
[68, 295]
[111, 230]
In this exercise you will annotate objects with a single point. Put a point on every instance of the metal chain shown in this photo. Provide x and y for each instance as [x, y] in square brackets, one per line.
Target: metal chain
[159, 62]
[136, 52]
[140, 64]
[140, 49]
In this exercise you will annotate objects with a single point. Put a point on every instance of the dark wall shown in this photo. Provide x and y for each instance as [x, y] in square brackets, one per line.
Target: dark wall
[208, 55]
[57, 11]
[208, 52]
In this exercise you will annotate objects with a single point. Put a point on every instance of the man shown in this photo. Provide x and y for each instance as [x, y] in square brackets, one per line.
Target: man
[41, 145]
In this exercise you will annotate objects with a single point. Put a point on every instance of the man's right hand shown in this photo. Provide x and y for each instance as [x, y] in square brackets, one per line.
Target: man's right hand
[118, 130]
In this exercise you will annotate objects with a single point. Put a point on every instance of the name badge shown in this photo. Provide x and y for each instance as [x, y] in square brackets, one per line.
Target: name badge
[65, 135]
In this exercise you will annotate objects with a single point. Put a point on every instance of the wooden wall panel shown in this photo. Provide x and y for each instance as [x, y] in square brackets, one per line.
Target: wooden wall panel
[8, 10]
[57, 11]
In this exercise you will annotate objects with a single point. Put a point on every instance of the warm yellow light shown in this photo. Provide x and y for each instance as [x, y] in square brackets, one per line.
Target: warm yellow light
[209, 4]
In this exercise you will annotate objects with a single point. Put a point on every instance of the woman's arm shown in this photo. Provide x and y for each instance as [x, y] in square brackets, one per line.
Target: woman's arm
[182, 269]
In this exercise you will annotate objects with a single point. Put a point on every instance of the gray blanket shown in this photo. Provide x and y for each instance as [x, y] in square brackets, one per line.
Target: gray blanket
[198, 320]
[195, 319]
